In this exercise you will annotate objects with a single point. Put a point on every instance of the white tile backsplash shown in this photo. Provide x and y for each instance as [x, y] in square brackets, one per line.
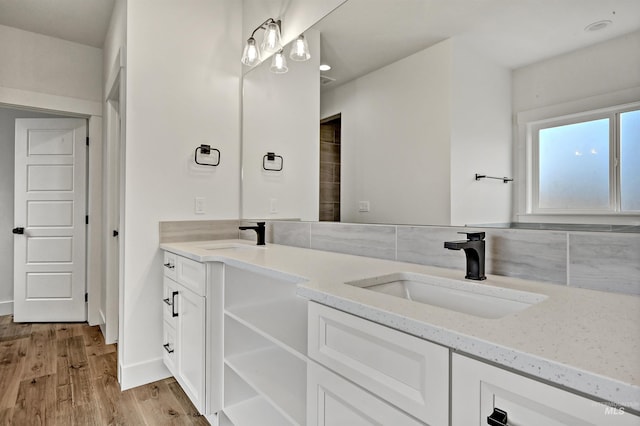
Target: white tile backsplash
[528, 254]
[602, 261]
[377, 241]
[605, 261]
[296, 234]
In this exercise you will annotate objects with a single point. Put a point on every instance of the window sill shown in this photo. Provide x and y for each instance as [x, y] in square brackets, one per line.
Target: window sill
[582, 219]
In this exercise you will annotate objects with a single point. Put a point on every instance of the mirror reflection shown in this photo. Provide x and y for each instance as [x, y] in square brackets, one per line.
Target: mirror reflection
[421, 97]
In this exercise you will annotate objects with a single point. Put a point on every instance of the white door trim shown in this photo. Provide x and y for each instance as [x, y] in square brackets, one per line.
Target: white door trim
[112, 175]
[93, 112]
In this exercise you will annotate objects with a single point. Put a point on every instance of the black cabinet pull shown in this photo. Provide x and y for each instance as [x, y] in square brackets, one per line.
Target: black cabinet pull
[18, 231]
[115, 233]
[167, 348]
[497, 418]
[170, 266]
[173, 304]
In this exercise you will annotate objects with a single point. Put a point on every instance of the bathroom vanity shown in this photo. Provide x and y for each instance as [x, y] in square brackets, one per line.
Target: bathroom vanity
[280, 335]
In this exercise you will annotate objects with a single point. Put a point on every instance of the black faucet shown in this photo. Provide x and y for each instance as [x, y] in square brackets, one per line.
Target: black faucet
[260, 230]
[474, 250]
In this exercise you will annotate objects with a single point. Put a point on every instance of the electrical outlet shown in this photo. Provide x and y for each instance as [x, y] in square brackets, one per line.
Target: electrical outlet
[273, 205]
[199, 205]
[363, 206]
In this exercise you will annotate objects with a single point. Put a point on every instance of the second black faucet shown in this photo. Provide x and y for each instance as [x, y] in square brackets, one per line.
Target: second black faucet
[260, 230]
[474, 250]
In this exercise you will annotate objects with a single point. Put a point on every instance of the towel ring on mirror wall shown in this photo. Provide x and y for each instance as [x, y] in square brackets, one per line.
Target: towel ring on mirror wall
[206, 150]
[271, 156]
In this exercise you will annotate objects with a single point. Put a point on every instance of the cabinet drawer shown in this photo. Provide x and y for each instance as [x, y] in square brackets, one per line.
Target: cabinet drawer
[169, 300]
[169, 265]
[334, 401]
[409, 372]
[478, 388]
[191, 274]
[169, 341]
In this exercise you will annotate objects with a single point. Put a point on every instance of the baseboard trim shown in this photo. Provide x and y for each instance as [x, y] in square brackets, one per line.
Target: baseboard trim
[139, 374]
[6, 307]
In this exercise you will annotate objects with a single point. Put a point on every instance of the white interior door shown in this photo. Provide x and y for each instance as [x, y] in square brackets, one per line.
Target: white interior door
[49, 215]
[112, 207]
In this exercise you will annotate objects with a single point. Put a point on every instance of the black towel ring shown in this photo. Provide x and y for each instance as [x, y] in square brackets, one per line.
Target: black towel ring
[271, 156]
[206, 150]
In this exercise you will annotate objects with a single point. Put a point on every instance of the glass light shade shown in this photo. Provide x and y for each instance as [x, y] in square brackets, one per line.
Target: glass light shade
[251, 54]
[272, 42]
[279, 63]
[300, 49]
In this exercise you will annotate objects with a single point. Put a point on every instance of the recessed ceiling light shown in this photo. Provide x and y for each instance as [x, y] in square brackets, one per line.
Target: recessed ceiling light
[325, 67]
[597, 26]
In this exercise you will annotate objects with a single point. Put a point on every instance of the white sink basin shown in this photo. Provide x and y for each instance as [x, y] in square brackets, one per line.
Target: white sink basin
[230, 246]
[461, 296]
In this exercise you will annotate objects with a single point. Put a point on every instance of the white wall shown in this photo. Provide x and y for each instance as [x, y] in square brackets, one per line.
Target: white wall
[481, 138]
[603, 68]
[281, 114]
[114, 42]
[183, 86]
[415, 132]
[45, 64]
[395, 140]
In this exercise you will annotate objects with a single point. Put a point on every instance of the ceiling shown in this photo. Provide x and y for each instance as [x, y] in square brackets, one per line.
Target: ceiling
[364, 35]
[80, 21]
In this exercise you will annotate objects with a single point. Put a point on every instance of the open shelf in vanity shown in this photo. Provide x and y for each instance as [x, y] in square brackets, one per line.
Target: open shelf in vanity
[265, 351]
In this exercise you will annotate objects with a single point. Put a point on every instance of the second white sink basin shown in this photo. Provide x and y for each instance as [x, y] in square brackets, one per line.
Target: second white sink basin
[461, 296]
[230, 245]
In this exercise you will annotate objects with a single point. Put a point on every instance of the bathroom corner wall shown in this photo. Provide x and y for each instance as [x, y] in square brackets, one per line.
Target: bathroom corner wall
[594, 260]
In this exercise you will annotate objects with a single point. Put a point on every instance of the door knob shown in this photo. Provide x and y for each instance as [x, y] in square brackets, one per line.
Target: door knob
[18, 230]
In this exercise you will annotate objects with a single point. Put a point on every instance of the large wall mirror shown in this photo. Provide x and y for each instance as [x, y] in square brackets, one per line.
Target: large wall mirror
[419, 99]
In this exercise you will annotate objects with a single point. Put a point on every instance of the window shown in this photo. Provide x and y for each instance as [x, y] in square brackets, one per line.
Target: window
[587, 163]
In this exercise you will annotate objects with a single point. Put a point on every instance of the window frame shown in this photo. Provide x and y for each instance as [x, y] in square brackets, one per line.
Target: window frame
[533, 128]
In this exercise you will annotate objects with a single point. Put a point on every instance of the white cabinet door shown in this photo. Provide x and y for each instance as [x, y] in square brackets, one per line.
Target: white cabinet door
[410, 373]
[192, 330]
[169, 344]
[190, 347]
[478, 388]
[333, 401]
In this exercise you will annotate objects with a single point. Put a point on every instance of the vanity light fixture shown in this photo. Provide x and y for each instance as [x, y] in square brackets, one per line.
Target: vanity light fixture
[272, 42]
[300, 49]
[251, 54]
[279, 63]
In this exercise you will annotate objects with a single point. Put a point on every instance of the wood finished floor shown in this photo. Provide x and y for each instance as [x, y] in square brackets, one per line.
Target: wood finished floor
[64, 374]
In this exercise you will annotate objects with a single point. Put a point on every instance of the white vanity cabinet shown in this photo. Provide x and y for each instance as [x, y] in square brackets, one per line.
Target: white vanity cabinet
[404, 378]
[265, 338]
[334, 401]
[191, 332]
[478, 388]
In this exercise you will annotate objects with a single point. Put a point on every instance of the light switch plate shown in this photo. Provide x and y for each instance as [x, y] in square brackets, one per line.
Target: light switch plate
[273, 205]
[363, 206]
[199, 205]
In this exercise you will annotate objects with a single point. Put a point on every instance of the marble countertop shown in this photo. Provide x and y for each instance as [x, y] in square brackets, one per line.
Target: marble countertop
[585, 340]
